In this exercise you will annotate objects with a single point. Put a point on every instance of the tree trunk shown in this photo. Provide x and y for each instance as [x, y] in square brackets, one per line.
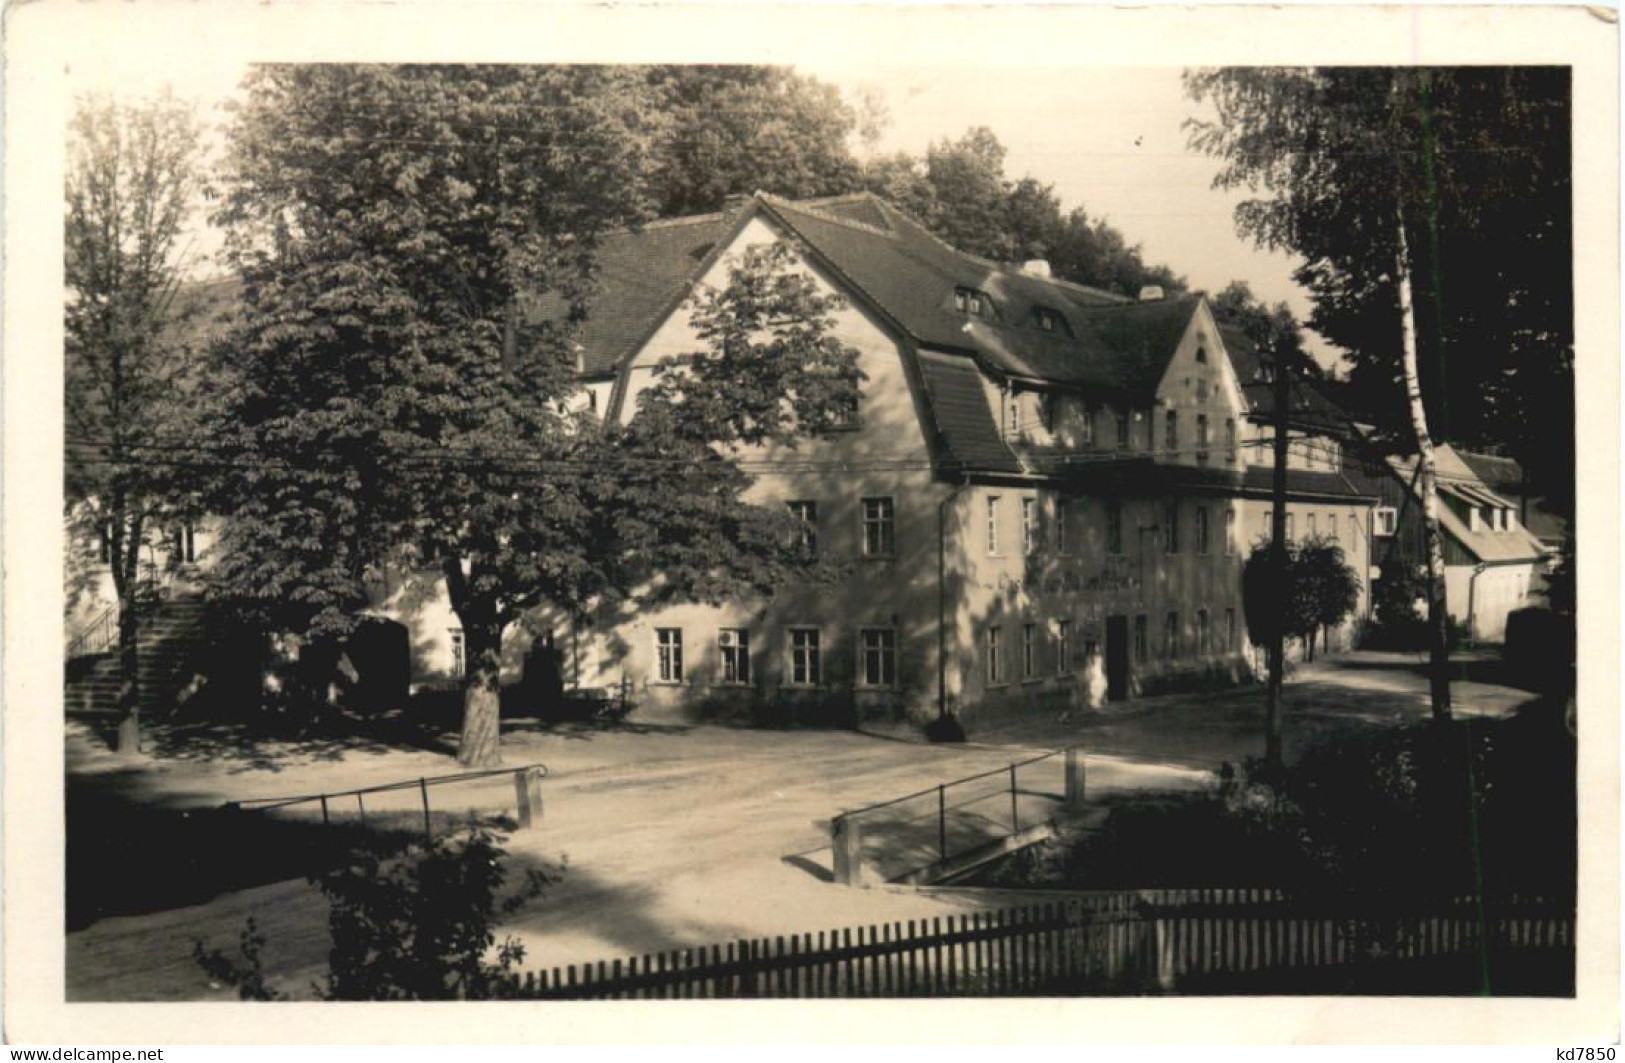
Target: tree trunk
[1438, 615]
[125, 554]
[479, 745]
[129, 669]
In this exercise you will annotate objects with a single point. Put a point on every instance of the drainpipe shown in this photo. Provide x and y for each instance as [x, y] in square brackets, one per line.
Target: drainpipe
[1472, 615]
[942, 598]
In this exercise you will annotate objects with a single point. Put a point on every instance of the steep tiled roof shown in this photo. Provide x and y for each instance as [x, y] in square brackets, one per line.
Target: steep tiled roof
[641, 277]
[1311, 408]
[1457, 477]
[1505, 476]
[962, 418]
[1115, 344]
[1307, 482]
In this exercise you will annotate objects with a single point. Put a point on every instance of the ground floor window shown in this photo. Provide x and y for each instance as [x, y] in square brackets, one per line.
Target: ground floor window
[805, 664]
[1170, 635]
[669, 654]
[1029, 651]
[1201, 632]
[995, 662]
[1142, 643]
[879, 653]
[1063, 648]
[1229, 629]
[734, 646]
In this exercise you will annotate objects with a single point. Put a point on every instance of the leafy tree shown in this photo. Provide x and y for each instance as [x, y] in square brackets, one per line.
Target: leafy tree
[131, 179]
[959, 190]
[734, 130]
[1328, 587]
[1313, 589]
[1270, 328]
[1394, 605]
[396, 400]
[1353, 174]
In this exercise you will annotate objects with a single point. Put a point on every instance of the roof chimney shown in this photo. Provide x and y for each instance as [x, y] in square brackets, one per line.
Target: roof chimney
[1150, 293]
[736, 201]
[1036, 267]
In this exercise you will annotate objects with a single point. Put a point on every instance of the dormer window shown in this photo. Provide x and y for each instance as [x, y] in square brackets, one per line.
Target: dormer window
[1051, 320]
[973, 301]
[1201, 354]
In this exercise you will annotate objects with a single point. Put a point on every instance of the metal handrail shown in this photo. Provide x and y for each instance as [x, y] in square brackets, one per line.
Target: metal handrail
[265, 804]
[853, 813]
[104, 625]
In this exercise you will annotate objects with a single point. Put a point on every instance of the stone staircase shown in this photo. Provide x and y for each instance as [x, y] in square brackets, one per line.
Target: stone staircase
[171, 639]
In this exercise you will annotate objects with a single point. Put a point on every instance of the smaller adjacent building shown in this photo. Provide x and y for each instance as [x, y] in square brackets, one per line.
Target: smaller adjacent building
[1493, 562]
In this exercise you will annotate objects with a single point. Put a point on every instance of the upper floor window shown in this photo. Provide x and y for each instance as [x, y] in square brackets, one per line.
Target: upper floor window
[844, 413]
[993, 525]
[1114, 528]
[733, 645]
[973, 301]
[1309, 520]
[1201, 439]
[1331, 526]
[1063, 540]
[1048, 408]
[184, 543]
[1201, 353]
[1201, 530]
[1086, 427]
[1229, 533]
[1386, 521]
[1012, 414]
[1029, 526]
[1122, 430]
[1051, 320]
[1230, 437]
[879, 533]
[1170, 439]
[805, 513]
[1170, 528]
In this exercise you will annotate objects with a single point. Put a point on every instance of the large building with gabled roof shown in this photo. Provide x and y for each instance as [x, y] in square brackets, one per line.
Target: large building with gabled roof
[1042, 479]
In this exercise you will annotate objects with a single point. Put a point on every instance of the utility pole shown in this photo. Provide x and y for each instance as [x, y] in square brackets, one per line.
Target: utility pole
[1278, 566]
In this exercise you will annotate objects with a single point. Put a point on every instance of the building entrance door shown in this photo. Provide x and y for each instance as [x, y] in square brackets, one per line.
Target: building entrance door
[1116, 657]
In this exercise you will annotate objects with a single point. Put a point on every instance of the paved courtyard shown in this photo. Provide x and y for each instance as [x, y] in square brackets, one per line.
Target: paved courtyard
[679, 836]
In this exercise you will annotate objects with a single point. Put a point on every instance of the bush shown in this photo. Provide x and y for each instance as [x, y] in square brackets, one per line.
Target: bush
[1447, 811]
[418, 926]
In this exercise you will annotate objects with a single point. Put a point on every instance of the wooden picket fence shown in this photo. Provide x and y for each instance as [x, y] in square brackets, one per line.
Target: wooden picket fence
[1144, 941]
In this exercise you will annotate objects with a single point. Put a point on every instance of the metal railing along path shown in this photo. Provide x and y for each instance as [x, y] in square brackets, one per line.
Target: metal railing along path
[527, 793]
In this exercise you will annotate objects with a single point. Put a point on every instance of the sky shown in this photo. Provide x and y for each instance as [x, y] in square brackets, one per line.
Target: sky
[1108, 140]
